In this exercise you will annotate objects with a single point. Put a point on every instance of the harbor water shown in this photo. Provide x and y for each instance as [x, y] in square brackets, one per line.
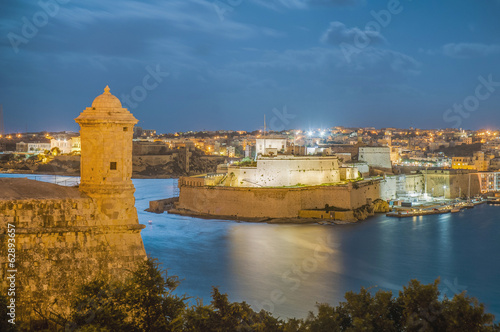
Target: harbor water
[287, 269]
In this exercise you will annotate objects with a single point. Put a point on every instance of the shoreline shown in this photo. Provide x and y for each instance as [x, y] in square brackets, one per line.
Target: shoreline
[134, 176]
[284, 221]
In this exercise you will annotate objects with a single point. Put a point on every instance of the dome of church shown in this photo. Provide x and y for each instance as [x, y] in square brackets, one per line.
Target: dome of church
[106, 100]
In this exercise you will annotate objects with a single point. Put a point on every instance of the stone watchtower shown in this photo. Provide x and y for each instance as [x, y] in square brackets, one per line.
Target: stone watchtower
[66, 236]
[106, 157]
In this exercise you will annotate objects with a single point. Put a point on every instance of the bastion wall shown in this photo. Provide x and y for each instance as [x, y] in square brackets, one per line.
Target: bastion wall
[66, 236]
[376, 156]
[286, 171]
[59, 245]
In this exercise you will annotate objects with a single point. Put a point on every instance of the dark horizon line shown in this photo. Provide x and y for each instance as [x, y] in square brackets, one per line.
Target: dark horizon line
[272, 131]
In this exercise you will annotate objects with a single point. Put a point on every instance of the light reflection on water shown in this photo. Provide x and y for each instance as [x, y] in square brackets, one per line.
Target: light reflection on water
[288, 268]
[264, 264]
[274, 266]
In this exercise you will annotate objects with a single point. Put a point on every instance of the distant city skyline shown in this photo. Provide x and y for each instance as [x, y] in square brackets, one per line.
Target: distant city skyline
[221, 65]
[314, 132]
[1, 120]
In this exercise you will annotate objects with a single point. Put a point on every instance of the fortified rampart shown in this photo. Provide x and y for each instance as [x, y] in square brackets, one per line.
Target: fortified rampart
[61, 241]
[237, 202]
[202, 194]
[288, 171]
[376, 156]
[452, 183]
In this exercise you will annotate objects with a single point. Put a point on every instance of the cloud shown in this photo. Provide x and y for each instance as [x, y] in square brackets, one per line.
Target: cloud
[195, 15]
[469, 50]
[181, 33]
[337, 33]
[336, 2]
[304, 4]
[133, 20]
[382, 63]
[319, 61]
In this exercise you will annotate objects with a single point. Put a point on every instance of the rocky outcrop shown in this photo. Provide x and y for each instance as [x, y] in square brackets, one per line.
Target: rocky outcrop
[381, 206]
[363, 212]
[143, 166]
[162, 205]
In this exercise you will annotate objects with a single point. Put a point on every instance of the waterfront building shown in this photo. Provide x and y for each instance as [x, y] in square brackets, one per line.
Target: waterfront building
[286, 171]
[271, 145]
[489, 181]
[395, 154]
[32, 147]
[76, 144]
[462, 163]
[495, 164]
[62, 144]
[451, 183]
[148, 132]
[376, 156]
[279, 171]
[479, 162]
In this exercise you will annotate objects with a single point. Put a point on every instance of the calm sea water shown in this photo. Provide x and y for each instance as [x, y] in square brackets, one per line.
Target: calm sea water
[286, 269]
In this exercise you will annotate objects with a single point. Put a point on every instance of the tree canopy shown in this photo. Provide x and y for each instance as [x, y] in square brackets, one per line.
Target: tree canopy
[145, 301]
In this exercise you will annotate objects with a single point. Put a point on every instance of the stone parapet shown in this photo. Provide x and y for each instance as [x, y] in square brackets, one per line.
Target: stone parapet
[60, 244]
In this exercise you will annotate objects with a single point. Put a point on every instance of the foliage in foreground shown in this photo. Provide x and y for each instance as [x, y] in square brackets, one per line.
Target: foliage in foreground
[145, 302]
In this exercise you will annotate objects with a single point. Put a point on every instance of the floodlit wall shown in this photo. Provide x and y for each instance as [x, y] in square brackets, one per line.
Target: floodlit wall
[376, 156]
[348, 173]
[388, 187]
[286, 171]
[270, 143]
[452, 183]
[60, 244]
[274, 202]
[415, 183]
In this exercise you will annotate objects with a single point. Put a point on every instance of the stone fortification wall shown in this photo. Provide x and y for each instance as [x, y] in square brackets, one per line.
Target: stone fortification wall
[66, 236]
[415, 183]
[391, 187]
[286, 171]
[376, 156]
[150, 160]
[388, 187]
[274, 202]
[60, 244]
[451, 183]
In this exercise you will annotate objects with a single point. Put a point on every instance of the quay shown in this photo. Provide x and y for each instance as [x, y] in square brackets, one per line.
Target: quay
[404, 214]
[430, 210]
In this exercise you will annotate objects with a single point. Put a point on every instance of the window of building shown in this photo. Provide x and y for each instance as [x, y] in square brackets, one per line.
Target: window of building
[112, 165]
[125, 128]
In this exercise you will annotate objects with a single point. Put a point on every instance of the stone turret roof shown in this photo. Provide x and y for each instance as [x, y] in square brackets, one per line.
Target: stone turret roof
[22, 189]
[106, 108]
[106, 100]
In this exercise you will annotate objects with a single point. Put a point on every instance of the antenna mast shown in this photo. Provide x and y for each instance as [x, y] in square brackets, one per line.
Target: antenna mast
[1, 120]
[264, 134]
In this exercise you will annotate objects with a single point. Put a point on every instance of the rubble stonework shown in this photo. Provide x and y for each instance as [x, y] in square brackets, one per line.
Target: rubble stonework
[66, 236]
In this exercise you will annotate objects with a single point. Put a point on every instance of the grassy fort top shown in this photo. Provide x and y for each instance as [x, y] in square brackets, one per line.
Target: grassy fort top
[21, 189]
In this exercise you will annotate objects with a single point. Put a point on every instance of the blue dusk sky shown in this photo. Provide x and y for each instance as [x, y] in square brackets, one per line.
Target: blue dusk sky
[182, 65]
